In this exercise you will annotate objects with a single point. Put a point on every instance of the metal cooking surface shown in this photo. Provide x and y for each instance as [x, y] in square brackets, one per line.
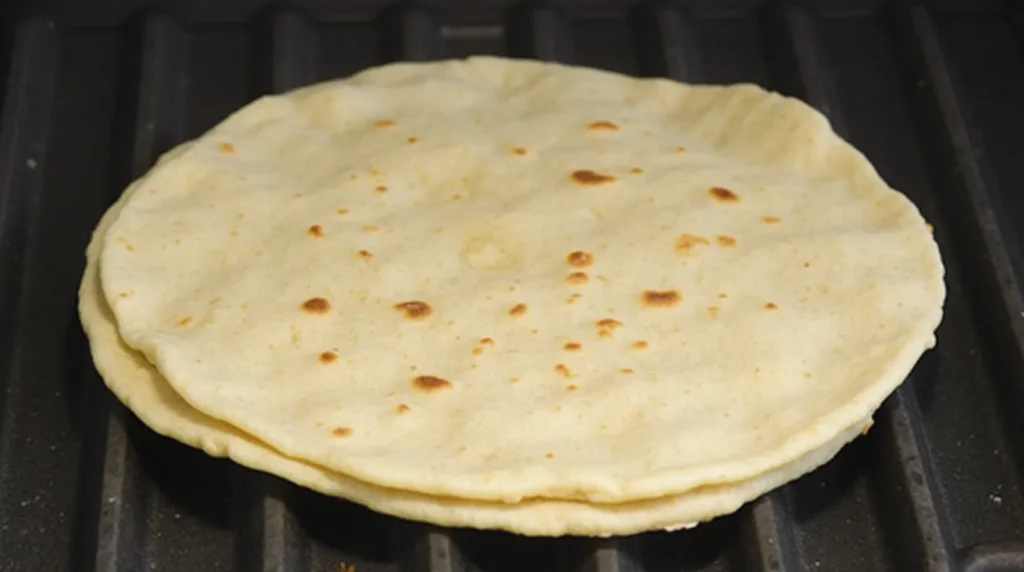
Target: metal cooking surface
[95, 91]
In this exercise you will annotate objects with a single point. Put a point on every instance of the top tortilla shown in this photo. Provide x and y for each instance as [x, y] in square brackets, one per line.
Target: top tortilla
[496, 279]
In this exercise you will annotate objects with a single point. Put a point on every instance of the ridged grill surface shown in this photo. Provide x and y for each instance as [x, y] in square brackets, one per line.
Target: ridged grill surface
[95, 91]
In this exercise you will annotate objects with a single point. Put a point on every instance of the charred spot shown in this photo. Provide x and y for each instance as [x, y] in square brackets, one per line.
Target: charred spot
[430, 383]
[328, 357]
[636, 171]
[184, 322]
[572, 387]
[627, 370]
[486, 342]
[680, 149]
[580, 259]
[724, 195]
[687, 244]
[578, 278]
[316, 231]
[591, 178]
[342, 432]
[227, 148]
[342, 211]
[550, 456]
[317, 306]
[478, 351]
[381, 189]
[606, 327]
[412, 140]
[661, 298]
[573, 297]
[402, 408]
[563, 370]
[572, 346]
[519, 151]
[640, 345]
[599, 126]
[771, 306]
[771, 219]
[414, 310]
[725, 241]
[517, 310]
[383, 123]
[807, 264]
[370, 228]
[365, 254]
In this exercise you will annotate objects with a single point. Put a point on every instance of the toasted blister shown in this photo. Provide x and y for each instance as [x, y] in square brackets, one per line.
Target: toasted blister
[682, 286]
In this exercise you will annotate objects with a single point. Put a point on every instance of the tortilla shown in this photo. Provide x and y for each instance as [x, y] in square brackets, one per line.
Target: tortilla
[496, 280]
[141, 388]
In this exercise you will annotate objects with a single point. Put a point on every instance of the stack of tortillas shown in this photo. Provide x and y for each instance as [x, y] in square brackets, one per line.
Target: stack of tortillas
[515, 295]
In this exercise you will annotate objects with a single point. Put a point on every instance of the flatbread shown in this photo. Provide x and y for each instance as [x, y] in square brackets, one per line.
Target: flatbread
[141, 388]
[496, 280]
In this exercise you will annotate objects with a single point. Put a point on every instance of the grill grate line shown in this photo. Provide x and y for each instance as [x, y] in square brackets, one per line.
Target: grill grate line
[153, 82]
[539, 31]
[409, 32]
[667, 42]
[766, 536]
[430, 549]
[270, 537]
[24, 130]
[800, 67]
[957, 154]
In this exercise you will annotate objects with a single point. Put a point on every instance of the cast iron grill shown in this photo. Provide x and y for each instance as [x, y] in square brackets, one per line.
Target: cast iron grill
[95, 91]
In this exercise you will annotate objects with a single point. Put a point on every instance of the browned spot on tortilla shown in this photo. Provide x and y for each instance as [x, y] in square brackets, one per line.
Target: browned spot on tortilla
[640, 345]
[381, 189]
[342, 432]
[713, 310]
[370, 229]
[550, 455]
[513, 380]
[487, 342]
[627, 370]
[929, 227]
[227, 148]
[687, 244]
[867, 427]
[661, 298]
[413, 139]
[572, 346]
[602, 125]
[317, 306]
[580, 259]
[185, 321]
[478, 351]
[375, 172]
[519, 151]
[342, 211]
[771, 219]
[384, 123]
[578, 278]
[414, 310]
[402, 408]
[726, 241]
[573, 297]
[680, 149]
[606, 327]
[328, 357]
[723, 296]
[430, 383]
[636, 171]
[125, 295]
[517, 310]
[591, 178]
[366, 254]
[456, 197]
[563, 370]
[771, 306]
[572, 387]
[316, 231]
[807, 264]
[724, 195]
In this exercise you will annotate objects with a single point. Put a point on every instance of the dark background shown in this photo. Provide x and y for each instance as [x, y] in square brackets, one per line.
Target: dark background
[95, 91]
